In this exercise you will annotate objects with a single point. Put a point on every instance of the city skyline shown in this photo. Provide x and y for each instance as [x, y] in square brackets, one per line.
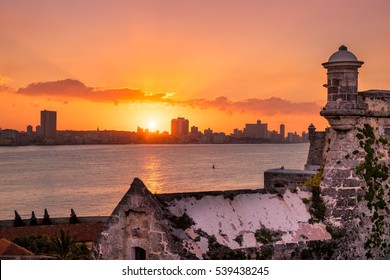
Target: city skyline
[142, 64]
[46, 133]
[180, 126]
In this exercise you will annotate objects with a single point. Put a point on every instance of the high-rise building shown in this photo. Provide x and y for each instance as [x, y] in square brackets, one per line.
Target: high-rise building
[29, 129]
[179, 127]
[257, 130]
[282, 132]
[48, 124]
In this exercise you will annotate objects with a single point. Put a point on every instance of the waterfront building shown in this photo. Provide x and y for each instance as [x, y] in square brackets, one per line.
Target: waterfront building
[282, 132]
[29, 129]
[48, 124]
[257, 130]
[273, 136]
[179, 127]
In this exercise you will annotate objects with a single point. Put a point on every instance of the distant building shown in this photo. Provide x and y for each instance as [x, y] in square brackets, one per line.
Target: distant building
[282, 132]
[195, 135]
[274, 136]
[29, 129]
[194, 130]
[257, 130]
[48, 124]
[179, 127]
[38, 130]
[9, 137]
[219, 138]
[236, 133]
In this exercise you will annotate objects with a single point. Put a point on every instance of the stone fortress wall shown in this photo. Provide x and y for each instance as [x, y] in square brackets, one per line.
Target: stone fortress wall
[337, 208]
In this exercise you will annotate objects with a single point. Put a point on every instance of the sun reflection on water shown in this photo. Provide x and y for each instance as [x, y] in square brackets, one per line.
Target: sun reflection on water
[153, 174]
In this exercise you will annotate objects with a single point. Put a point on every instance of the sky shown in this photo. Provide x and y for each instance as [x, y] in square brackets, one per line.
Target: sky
[221, 64]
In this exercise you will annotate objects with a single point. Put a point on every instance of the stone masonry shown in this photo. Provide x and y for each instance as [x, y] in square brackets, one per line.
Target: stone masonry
[355, 176]
[337, 208]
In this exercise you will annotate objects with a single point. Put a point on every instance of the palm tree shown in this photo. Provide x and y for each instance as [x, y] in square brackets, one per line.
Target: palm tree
[63, 245]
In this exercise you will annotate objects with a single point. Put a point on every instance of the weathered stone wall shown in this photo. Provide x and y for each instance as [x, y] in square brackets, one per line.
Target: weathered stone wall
[278, 180]
[138, 221]
[241, 224]
[355, 185]
[315, 157]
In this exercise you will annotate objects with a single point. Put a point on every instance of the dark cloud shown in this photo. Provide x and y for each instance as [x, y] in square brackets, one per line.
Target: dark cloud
[267, 107]
[76, 89]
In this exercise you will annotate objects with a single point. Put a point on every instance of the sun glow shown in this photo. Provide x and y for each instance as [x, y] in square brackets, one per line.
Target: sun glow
[152, 125]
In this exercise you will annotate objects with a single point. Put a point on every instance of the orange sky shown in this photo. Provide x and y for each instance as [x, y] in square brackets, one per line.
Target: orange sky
[221, 64]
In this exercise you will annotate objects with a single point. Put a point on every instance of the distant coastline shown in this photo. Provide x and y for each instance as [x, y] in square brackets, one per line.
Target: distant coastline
[70, 137]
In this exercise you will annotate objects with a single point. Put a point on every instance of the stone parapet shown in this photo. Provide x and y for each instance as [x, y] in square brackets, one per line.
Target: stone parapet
[278, 180]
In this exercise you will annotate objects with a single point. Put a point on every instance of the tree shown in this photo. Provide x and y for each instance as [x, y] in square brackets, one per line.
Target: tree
[63, 245]
[66, 248]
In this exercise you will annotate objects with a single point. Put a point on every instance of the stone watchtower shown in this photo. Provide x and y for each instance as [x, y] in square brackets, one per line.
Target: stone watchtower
[355, 180]
[342, 74]
[342, 85]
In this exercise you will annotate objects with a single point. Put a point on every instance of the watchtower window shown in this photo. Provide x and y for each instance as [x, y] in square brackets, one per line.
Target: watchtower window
[335, 82]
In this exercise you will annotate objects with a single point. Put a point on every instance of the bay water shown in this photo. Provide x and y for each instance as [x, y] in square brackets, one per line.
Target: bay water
[92, 179]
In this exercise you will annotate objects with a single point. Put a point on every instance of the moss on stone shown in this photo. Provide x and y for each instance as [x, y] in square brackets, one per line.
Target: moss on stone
[239, 239]
[263, 235]
[318, 249]
[183, 222]
[218, 251]
[315, 181]
[375, 173]
[305, 201]
[317, 207]
[266, 236]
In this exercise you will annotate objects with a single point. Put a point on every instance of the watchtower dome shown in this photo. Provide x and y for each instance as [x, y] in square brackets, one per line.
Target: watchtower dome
[342, 75]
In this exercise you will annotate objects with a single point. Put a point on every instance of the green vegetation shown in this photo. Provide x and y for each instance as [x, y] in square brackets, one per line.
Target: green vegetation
[183, 222]
[375, 174]
[305, 201]
[239, 239]
[66, 248]
[317, 208]
[266, 236]
[40, 244]
[315, 181]
[220, 252]
[263, 235]
[317, 250]
[266, 252]
[63, 246]
[202, 233]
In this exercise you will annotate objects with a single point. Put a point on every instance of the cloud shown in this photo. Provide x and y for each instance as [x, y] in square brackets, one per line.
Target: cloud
[267, 107]
[4, 80]
[76, 89]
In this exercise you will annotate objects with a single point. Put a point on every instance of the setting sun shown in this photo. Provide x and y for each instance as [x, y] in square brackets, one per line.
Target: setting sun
[152, 125]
